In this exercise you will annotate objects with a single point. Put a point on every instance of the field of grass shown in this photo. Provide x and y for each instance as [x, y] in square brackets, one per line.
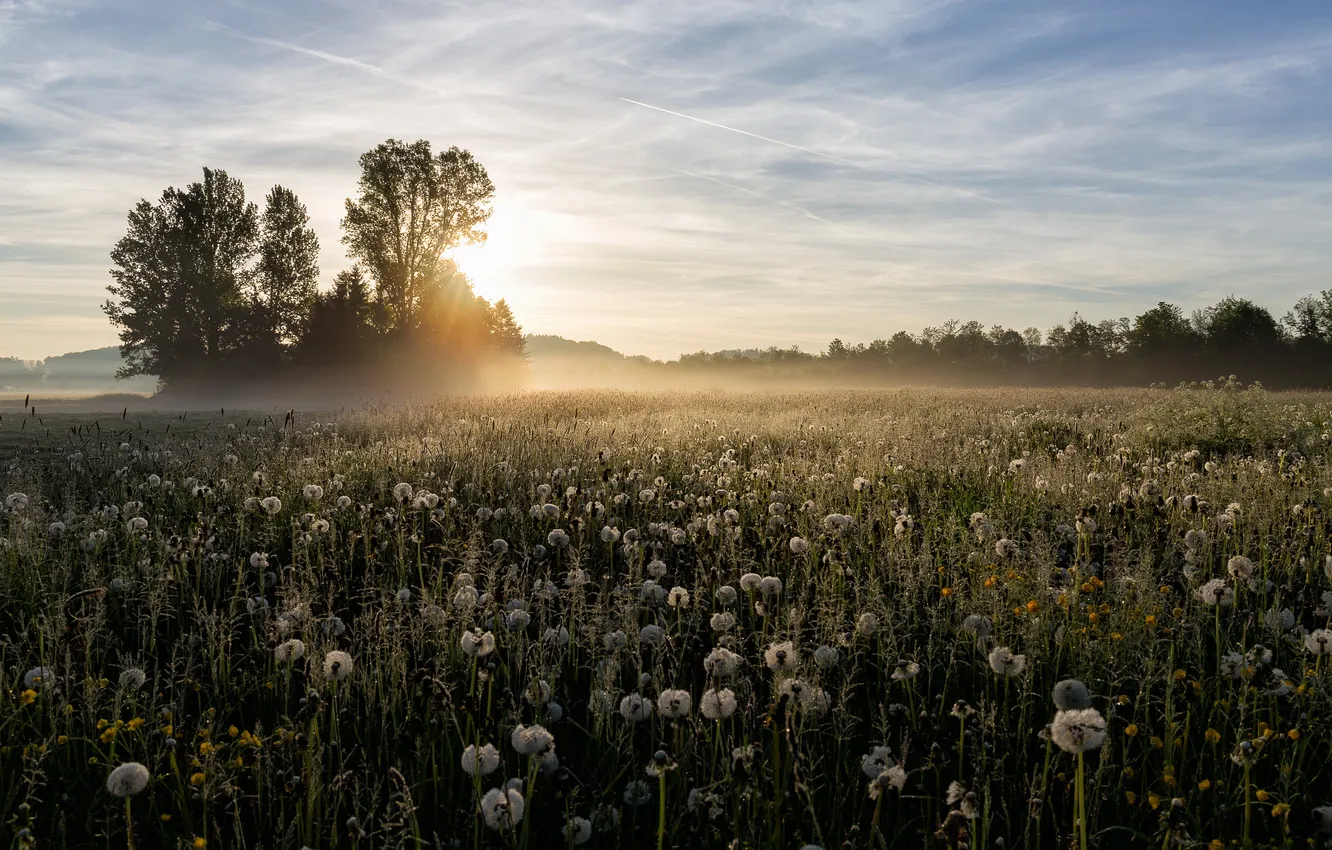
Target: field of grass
[838, 619]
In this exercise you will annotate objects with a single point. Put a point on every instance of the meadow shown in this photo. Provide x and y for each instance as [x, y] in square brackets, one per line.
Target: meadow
[863, 619]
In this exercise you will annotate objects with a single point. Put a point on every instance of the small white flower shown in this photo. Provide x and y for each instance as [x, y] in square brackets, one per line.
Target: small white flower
[271, 505]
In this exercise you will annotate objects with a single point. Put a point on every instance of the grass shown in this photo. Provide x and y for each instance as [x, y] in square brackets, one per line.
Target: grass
[888, 555]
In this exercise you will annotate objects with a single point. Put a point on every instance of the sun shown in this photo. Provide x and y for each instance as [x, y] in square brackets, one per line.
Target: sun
[492, 265]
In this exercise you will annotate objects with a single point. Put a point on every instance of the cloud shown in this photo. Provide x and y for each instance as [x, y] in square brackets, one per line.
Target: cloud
[1140, 154]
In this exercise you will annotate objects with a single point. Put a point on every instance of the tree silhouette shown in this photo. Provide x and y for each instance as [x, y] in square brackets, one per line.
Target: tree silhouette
[179, 278]
[412, 208]
[286, 278]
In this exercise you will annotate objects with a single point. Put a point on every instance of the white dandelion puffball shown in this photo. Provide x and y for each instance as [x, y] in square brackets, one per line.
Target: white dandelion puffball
[502, 809]
[876, 761]
[1005, 663]
[1078, 730]
[726, 596]
[678, 598]
[338, 665]
[781, 656]
[722, 663]
[799, 545]
[770, 586]
[578, 831]
[531, 740]
[1319, 642]
[826, 657]
[722, 622]
[1239, 567]
[39, 678]
[402, 492]
[1217, 592]
[634, 708]
[289, 651]
[313, 492]
[749, 582]
[717, 704]
[1071, 695]
[674, 704]
[127, 780]
[271, 505]
[480, 762]
[475, 646]
[132, 678]
[867, 624]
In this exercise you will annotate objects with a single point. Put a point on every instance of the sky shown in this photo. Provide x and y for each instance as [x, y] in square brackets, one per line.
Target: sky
[675, 176]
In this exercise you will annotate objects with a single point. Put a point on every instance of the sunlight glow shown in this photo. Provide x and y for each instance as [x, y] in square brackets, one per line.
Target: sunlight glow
[492, 265]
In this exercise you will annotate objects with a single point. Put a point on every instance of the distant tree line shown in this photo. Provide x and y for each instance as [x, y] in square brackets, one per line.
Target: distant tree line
[1163, 345]
[208, 290]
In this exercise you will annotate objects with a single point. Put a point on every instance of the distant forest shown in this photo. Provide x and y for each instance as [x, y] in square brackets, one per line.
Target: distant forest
[212, 293]
[1162, 346]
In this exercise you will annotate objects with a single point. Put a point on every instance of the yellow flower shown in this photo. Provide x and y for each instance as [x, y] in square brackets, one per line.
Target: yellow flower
[1151, 619]
[28, 697]
[1180, 675]
[165, 817]
[232, 731]
[197, 779]
[1216, 844]
[1123, 699]
[1157, 742]
[991, 581]
[1204, 785]
[1129, 773]
[1280, 809]
[1262, 796]
[1131, 730]
[109, 735]
[199, 844]
[62, 739]
[1293, 734]
[1212, 736]
[1033, 606]
[1154, 801]
[136, 723]
[205, 748]
[946, 592]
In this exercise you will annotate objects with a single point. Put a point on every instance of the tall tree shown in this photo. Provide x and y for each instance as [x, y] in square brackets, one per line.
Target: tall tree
[1162, 330]
[286, 277]
[506, 333]
[179, 276]
[412, 208]
[1238, 325]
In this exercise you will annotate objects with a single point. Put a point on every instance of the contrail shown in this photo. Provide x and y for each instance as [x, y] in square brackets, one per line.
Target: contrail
[820, 154]
[786, 204]
[320, 54]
